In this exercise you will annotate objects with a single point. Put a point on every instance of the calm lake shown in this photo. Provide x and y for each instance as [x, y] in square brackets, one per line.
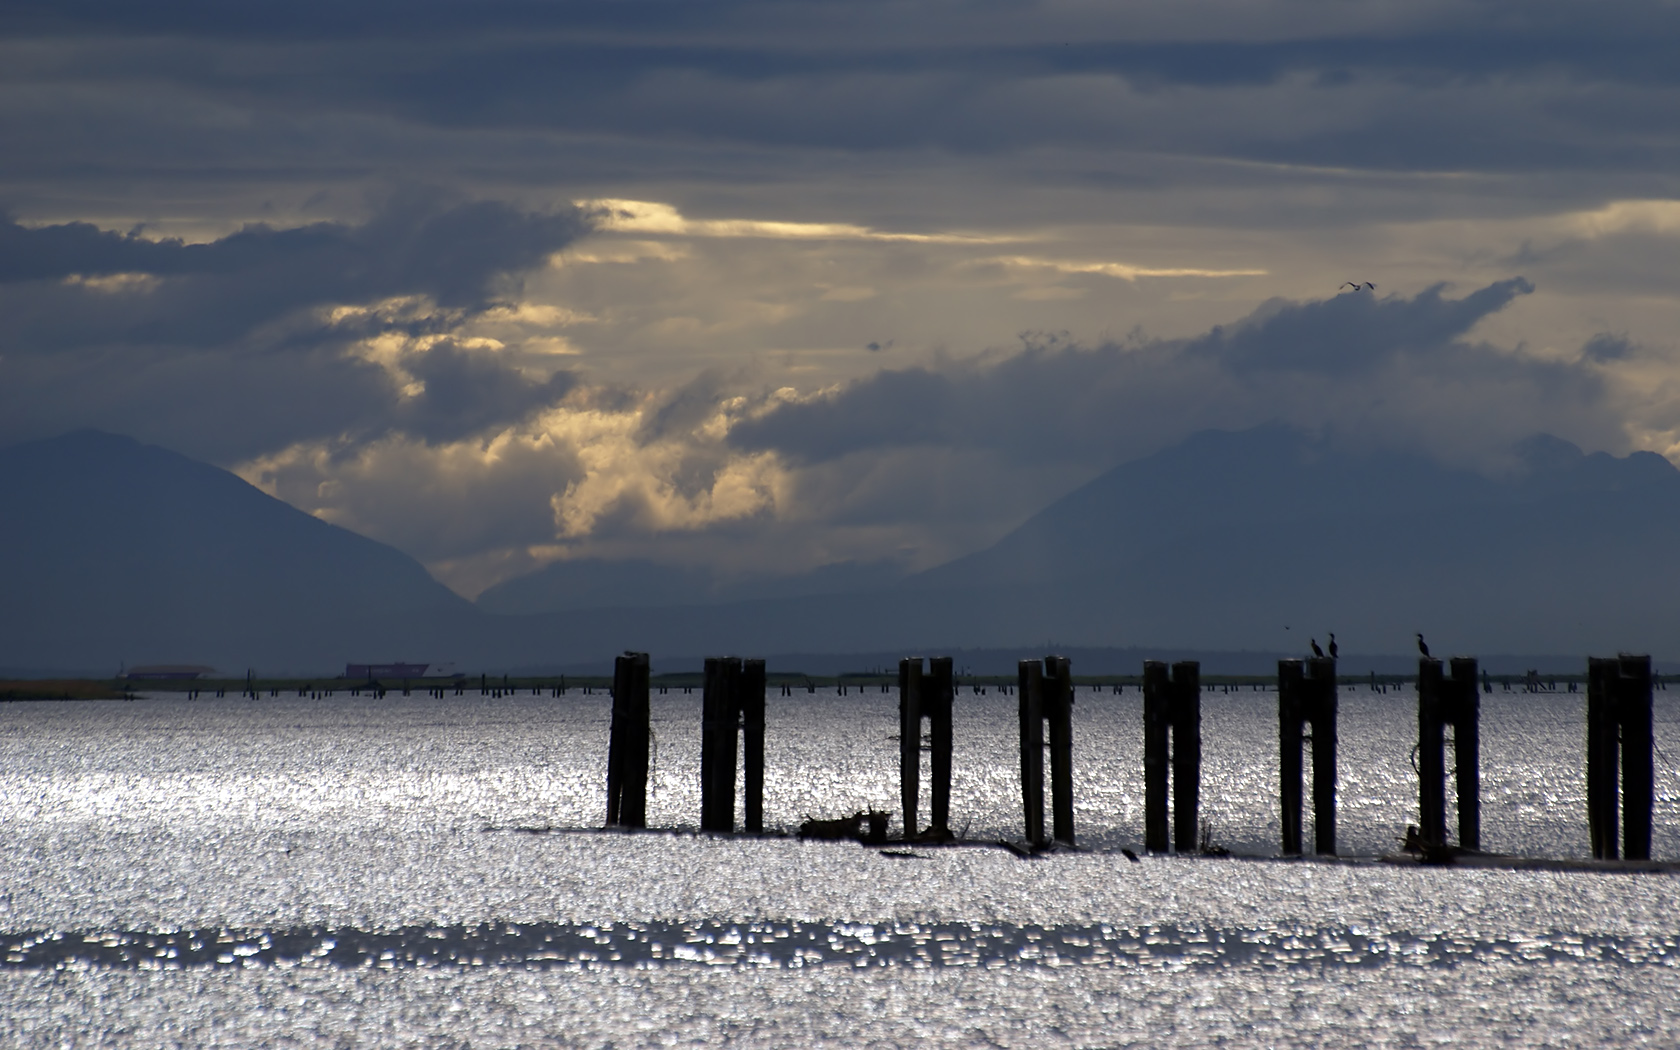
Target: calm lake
[357, 872]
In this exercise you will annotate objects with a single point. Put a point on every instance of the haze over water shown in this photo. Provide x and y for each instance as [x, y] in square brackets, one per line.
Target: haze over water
[352, 872]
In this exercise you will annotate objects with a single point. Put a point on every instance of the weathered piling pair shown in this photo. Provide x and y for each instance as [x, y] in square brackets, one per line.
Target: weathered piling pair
[1307, 697]
[927, 694]
[1172, 724]
[1619, 734]
[732, 709]
[1045, 694]
[1444, 701]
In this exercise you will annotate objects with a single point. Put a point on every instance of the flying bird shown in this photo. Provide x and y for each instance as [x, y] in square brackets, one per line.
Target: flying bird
[1333, 649]
[1356, 285]
[1423, 646]
[1316, 650]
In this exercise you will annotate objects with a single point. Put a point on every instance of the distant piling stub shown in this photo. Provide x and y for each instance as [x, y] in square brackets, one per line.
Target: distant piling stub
[627, 748]
[1307, 697]
[1619, 738]
[1044, 694]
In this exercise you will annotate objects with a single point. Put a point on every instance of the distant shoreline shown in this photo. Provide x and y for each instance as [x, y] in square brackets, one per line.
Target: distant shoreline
[500, 685]
[61, 689]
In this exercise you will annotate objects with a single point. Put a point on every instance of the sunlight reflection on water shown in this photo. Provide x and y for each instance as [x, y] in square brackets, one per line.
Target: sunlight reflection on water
[363, 823]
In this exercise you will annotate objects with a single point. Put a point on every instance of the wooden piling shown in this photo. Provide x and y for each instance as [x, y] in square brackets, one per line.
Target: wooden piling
[1619, 740]
[752, 742]
[1186, 754]
[1058, 711]
[1321, 677]
[910, 741]
[1431, 763]
[1291, 686]
[718, 735]
[1467, 751]
[1157, 723]
[1602, 756]
[1638, 771]
[627, 754]
[939, 694]
[928, 693]
[1029, 705]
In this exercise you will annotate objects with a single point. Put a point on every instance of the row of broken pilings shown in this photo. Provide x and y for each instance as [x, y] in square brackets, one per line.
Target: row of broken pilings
[1619, 746]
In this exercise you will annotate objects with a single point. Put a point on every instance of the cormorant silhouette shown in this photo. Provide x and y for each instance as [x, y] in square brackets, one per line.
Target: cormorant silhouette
[1333, 649]
[1316, 650]
[1422, 646]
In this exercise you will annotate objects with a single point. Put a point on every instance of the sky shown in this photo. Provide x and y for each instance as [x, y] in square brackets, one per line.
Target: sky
[771, 286]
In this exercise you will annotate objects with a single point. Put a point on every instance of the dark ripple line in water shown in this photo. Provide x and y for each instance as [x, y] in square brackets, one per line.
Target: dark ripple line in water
[797, 944]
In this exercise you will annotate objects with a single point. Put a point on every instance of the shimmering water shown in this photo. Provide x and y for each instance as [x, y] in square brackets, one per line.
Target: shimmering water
[354, 872]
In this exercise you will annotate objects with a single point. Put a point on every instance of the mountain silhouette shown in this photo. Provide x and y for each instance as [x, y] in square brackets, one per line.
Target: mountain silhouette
[118, 552]
[121, 552]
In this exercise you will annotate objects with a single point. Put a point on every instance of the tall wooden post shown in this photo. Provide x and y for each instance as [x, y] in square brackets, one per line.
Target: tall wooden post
[752, 743]
[1638, 772]
[1602, 732]
[1467, 750]
[1157, 721]
[1290, 701]
[910, 742]
[627, 748]
[1029, 689]
[1432, 773]
[1058, 710]
[1321, 676]
[938, 698]
[1186, 753]
[720, 719]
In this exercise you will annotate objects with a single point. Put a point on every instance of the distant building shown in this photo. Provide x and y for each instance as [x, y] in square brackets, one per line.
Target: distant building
[365, 672]
[156, 672]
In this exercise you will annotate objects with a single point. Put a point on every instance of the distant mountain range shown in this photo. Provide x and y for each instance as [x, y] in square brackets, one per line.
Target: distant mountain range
[112, 551]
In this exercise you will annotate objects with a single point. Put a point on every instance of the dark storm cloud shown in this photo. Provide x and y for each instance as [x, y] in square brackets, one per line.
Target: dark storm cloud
[968, 77]
[469, 391]
[417, 244]
[1311, 363]
[233, 335]
[1355, 331]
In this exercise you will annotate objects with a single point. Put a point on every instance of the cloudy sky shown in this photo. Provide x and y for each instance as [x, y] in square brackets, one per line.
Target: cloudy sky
[771, 286]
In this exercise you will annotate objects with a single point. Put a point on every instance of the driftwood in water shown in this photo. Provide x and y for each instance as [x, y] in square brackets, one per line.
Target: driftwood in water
[848, 828]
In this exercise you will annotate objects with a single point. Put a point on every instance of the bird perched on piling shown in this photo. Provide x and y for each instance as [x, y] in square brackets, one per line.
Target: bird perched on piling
[1333, 649]
[1316, 650]
[1423, 647]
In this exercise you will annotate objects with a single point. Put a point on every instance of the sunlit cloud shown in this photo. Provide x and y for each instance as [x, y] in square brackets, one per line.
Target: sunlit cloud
[1123, 271]
[653, 217]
